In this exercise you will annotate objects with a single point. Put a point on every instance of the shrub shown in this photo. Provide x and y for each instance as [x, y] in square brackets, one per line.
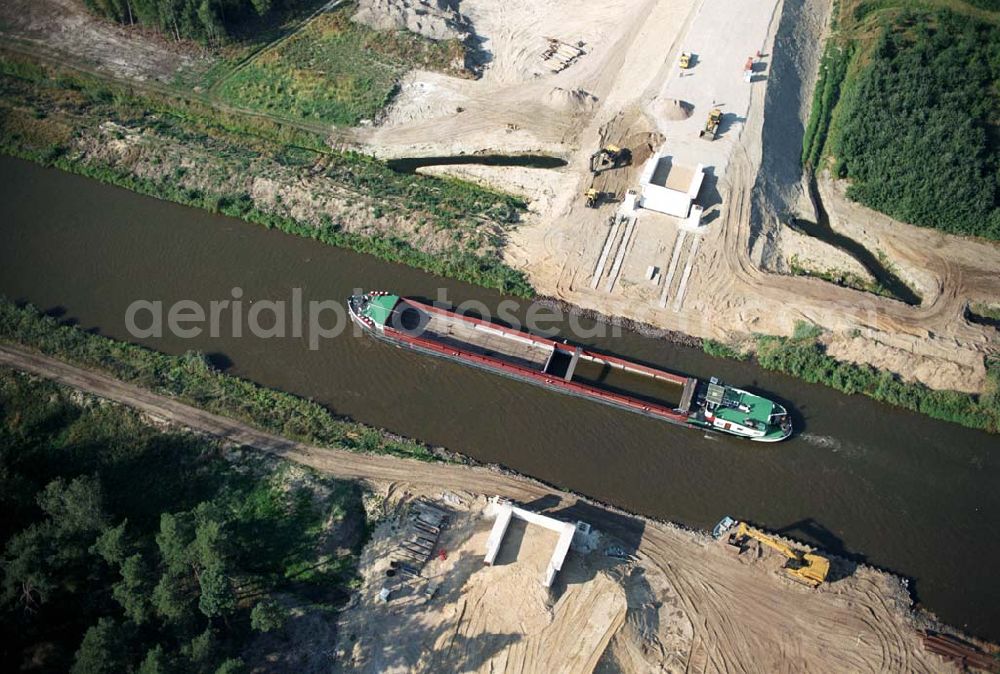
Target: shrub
[720, 350]
[808, 360]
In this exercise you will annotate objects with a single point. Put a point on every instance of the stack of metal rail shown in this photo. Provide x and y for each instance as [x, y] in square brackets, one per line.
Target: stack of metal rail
[420, 536]
[559, 55]
[419, 540]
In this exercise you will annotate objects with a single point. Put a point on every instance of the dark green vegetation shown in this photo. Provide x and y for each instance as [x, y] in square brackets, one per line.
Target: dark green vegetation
[915, 130]
[192, 379]
[803, 356]
[186, 151]
[906, 105]
[205, 20]
[833, 68]
[127, 549]
[722, 350]
[337, 71]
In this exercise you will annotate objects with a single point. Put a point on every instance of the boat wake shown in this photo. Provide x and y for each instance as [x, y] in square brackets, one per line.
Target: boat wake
[825, 441]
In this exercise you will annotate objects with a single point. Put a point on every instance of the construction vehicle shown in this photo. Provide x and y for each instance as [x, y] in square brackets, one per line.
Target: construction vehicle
[592, 196]
[802, 567]
[609, 157]
[685, 62]
[712, 125]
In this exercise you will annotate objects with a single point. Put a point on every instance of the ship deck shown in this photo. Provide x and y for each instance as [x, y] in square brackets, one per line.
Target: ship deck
[482, 339]
[759, 410]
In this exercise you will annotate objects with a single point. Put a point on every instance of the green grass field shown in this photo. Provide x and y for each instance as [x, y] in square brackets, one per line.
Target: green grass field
[333, 70]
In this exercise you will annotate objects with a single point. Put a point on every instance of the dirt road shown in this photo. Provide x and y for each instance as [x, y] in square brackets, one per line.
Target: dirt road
[699, 607]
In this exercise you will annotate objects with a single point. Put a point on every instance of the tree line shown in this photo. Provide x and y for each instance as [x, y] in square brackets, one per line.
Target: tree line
[127, 549]
[917, 134]
[205, 20]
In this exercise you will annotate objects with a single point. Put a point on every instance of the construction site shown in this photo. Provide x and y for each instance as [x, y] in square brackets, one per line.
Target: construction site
[454, 581]
[673, 211]
[642, 106]
[473, 569]
[680, 123]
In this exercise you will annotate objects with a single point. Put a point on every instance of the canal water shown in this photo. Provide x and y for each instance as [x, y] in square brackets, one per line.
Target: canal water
[885, 486]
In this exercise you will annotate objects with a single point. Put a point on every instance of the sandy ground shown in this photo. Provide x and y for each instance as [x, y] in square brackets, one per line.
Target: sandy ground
[518, 104]
[497, 618]
[67, 28]
[690, 604]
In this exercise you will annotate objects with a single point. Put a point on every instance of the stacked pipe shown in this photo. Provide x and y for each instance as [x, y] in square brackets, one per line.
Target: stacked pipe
[964, 654]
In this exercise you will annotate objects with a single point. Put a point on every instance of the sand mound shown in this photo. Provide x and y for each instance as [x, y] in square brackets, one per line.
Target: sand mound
[435, 19]
[570, 99]
[643, 145]
[675, 110]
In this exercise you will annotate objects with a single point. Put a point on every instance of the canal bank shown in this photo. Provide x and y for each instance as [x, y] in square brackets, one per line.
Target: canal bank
[886, 486]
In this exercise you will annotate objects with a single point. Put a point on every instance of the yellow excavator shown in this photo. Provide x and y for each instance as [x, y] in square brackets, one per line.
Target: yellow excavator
[609, 157]
[802, 567]
[592, 196]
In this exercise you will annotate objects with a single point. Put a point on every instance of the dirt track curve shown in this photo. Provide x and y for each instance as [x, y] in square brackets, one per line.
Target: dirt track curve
[743, 616]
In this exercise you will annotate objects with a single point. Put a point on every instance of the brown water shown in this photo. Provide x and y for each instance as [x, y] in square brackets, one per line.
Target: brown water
[892, 488]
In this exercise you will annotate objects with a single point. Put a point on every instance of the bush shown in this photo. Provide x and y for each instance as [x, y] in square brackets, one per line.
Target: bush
[833, 69]
[806, 330]
[267, 616]
[720, 350]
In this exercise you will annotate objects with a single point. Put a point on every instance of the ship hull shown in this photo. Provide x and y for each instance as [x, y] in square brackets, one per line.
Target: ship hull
[549, 383]
[527, 364]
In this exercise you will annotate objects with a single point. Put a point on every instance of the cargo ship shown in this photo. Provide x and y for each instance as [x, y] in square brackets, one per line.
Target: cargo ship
[433, 330]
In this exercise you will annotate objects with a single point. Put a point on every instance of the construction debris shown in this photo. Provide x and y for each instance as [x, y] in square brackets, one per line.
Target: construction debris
[559, 55]
[417, 544]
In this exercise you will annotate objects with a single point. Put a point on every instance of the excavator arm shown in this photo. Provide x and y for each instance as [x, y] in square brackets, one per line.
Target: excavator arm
[804, 567]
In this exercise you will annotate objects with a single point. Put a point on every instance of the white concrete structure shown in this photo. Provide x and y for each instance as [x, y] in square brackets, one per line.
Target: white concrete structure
[670, 188]
[693, 221]
[629, 204]
[505, 512]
